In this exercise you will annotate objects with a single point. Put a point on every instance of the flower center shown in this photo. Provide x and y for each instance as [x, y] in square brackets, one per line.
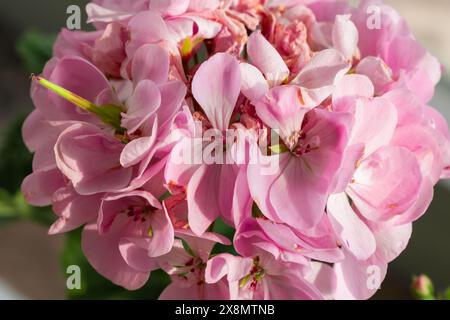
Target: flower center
[303, 147]
[193, 270]
[256, 274]
[140, 214]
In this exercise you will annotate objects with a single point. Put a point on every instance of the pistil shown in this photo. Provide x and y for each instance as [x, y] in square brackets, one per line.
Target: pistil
[109, 114]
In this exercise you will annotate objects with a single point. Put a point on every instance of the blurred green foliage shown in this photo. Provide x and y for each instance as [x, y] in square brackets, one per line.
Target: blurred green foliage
[15, 162]
[422, 288]
[15, 165]
[14, 206]
[35, 49]
[94, 286]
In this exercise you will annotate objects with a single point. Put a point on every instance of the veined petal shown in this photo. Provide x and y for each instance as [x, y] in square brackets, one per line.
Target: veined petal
[266, 58]
[216, 87]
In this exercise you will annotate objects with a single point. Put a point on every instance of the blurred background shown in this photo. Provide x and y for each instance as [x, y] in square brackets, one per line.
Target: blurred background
[32, 263]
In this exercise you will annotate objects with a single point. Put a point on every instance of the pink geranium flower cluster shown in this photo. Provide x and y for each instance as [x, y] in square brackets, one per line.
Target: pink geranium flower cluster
[303, 124]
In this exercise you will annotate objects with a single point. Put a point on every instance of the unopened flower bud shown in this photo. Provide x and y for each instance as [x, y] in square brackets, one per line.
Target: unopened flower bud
[422, 288]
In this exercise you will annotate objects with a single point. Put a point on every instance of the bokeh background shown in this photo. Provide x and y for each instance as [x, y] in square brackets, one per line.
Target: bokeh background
[32, 263]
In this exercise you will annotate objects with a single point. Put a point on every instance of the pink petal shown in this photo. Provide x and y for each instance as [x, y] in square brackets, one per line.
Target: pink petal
[73, 210]
[283, 109]
[242, 201]
[349, 88]
[218, 98]
[203, 210]
[169, 7]
[90, 159]
[391, 241]
[103, 254]
[76, 75]
[136, 257]
[375, 123]
[345, 36]
[142, 106]
[136, 150]
[323, 278]
[423, 143]
[318, 77]
[386, 184]
[172, 97]
[290, 288]
[409, 108]
[184, 160]
[38, 187]
[203, 245]
[265, 57]
[254, 85]
[150, 62]
[200, 5]
[173, 292]
[145, 27]
[377, 70]
[354, 234]
[235, 268]
[422, 204]
[299, 195]
[357, 279]
[163, 234]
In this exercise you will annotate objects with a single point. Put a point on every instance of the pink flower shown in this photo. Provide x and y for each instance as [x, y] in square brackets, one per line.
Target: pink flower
[132, 229]
[303, 125]
[89, 158]
[415, 68]
[296, 194]
[217, 99]
[152, 105]
[104, 48]
[187, 269]
[260, 278]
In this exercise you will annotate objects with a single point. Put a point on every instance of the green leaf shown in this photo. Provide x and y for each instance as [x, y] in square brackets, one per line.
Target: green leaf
[8, 211]
[35, 49]
[447, 294]
[94, 286]
[13, 207]
[15, 162]
[41, 215]
[222, 228]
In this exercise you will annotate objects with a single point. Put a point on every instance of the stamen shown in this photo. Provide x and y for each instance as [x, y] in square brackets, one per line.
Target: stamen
[150, 232]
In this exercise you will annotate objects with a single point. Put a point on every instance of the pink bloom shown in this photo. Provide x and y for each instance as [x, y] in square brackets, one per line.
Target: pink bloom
[132, 139]
[217, 99]
[260, 278]
[287, 244]
[296, 194]
[89, 158]
[152, 106]
[415, 68]
[106, 11]
[73, 209]
[316, 79]
[132, 229]
[187, 269]
[78, 76]
[105, 48]
[361, 278]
